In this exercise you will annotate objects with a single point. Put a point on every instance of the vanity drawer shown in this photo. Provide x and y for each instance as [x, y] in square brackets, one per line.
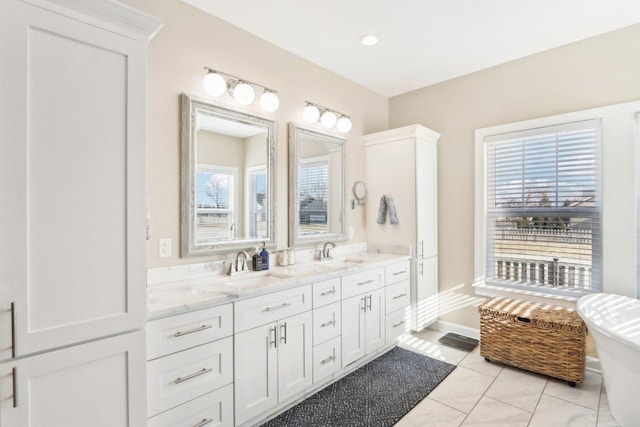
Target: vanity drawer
[327, 359]
[182, 331]
[211, 409]
[268, 308]
[179, 377]
[326, 292]
[358, 283]
[397, 272]
[397, 296]
[396, 325]
[326, 323]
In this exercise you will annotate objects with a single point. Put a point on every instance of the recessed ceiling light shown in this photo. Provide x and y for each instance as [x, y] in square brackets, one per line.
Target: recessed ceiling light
[369, 40]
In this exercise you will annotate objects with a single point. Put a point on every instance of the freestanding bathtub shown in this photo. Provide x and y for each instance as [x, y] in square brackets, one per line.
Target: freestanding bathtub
[614, 323]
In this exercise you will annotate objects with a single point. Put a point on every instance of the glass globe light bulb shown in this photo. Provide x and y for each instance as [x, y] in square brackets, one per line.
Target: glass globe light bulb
[328, 119]
[311, 113]
[269, 101]
[214, 84]
[243, 93]
[344, 124]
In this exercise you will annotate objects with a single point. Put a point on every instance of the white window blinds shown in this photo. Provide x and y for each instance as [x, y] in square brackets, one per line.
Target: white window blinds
[257, 207]
[543, 208]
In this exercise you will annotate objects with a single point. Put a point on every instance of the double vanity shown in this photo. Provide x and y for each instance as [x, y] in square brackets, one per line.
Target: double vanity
[235, 350]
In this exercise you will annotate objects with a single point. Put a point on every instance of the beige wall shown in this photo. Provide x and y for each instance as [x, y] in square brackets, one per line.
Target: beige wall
[190, 40]
[595, 72]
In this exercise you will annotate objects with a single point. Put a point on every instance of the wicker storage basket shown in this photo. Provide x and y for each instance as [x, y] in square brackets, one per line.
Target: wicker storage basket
[541, 338]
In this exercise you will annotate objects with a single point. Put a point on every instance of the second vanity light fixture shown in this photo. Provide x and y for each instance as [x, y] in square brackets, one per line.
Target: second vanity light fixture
[328, 118]
[215, 84]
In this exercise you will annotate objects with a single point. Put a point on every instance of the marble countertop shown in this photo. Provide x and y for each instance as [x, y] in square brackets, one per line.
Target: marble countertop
[181, 296]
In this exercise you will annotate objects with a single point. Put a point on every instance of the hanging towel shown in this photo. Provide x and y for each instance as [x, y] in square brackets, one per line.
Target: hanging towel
[387, 205]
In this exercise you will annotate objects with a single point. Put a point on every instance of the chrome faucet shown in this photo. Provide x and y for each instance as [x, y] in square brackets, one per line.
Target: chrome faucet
[326, 251]
[244, 261]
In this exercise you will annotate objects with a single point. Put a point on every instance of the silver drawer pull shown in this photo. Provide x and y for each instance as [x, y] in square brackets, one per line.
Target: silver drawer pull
[395, 325]
[14, 379]
[327, 360]
[400, 296]
[366, 283]
[399, 272]
[13, 331]
[324, 325]
[190, 331]
[195, 374]
[204, 422]
[331, 292]
[278, 307]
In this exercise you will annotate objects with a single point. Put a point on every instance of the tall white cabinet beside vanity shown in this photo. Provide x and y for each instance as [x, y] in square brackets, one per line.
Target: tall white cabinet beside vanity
[402, 163]
[72, 191]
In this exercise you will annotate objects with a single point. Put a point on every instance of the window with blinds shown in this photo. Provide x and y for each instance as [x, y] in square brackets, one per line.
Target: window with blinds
[257, 207]
[313, 187]
[543, 208]
[215, 203]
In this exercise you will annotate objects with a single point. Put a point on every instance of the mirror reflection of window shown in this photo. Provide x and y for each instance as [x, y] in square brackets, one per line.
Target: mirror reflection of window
[257, 226]
[313, 191]
[215, 204]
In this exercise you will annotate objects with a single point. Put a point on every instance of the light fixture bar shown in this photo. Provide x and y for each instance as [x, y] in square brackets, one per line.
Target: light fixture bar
[323, 109]
[328, 117]
[240, 79]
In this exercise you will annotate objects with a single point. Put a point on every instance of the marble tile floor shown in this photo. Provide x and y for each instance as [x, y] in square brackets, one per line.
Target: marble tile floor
[481, 393]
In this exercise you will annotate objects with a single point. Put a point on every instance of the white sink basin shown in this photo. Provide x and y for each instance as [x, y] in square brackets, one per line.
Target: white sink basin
[254, 279]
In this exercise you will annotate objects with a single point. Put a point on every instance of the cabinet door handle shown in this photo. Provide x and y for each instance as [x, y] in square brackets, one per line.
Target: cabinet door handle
[400, 296]
[13, 331]
[278, 307]
[191, 376]
[327, 360]
[324, 325]
[395, 325]
[283, 336]
[204, 422]
[365, 283]
[399, 272]
[190, 331]
[275, 339]
[14, 379]
[363, 300]
[422, 269]
[331, 292]
[369, 306]
[421, 248]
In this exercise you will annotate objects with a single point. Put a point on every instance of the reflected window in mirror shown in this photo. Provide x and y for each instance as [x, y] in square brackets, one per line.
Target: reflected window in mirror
[228, 161]
[317, 186]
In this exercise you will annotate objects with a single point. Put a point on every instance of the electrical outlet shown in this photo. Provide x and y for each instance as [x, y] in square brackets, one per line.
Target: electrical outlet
[164, 248]
[351, 232]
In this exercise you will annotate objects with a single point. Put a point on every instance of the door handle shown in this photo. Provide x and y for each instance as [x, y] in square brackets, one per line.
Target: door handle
[421, 268]
[190, 331]
[14, 379]
[283, 336]
[275, 339]
[13, 330]
[369, 307]
[363, 300]
[278, 307]
[191, 376]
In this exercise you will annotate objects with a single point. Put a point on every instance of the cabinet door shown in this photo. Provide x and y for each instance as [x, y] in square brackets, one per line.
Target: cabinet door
[425, 306]
[426, 200]
[71, 181]
[295, 368]
[98, 384]
[353, 329]
[375, 326]
[256, 370]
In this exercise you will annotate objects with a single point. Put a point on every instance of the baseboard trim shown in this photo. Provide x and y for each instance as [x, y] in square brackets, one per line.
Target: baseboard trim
[593, 364]
[444, 326]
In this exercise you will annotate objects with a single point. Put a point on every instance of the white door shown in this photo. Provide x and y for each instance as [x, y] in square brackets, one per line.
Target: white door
[353, 329]
[426, 199]
[71, 181]
[375, 326]
[295, 362]
[95, 384]
[425, 308]
[256, 371]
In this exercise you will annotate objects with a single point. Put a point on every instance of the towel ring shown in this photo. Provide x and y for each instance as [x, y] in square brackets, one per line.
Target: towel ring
[359, 193]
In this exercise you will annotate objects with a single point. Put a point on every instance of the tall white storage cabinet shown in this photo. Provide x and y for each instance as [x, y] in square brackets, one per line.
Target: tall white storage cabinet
[402, 163]
[72, 220]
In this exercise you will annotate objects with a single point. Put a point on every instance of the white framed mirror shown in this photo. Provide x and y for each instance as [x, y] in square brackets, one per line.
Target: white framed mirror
[227, 174]
[317, 186]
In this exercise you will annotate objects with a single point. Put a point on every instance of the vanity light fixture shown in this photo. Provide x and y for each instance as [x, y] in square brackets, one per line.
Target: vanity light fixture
[216, 83]
[328, 118]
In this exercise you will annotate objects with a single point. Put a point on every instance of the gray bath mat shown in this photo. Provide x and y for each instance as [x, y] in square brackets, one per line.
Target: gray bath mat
[378, 394]
[459, 341]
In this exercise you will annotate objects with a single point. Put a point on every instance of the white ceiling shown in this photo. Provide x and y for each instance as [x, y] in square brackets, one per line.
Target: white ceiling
[422, 42]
